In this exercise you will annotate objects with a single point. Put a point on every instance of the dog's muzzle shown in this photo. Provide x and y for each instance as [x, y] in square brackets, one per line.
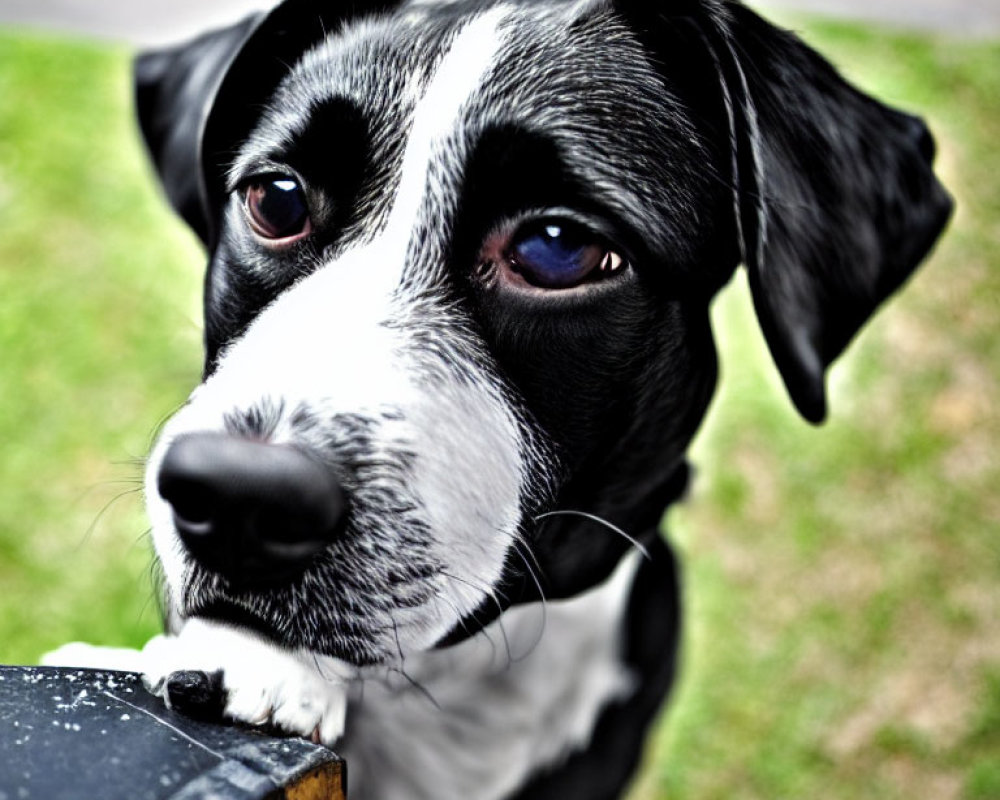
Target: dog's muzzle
[253, 512]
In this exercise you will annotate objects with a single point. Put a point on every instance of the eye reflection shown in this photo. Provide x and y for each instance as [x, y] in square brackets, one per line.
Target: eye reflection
[276, 207]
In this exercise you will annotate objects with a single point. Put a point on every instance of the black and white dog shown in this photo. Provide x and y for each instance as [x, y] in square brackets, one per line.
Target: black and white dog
[456, 320]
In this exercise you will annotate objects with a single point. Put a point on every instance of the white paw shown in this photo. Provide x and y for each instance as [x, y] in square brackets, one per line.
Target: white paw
[257, 682]
[261, 684]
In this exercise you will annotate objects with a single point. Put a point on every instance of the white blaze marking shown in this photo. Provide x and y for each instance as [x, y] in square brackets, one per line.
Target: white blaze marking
[437, 114]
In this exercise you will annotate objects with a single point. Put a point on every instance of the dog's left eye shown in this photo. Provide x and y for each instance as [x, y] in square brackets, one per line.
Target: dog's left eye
[561, 255]
[276, 207]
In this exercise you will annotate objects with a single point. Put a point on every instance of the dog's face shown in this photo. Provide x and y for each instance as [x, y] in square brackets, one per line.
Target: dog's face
[462, 255]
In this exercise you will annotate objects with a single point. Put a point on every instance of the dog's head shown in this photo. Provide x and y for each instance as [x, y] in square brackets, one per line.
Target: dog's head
[461, 261]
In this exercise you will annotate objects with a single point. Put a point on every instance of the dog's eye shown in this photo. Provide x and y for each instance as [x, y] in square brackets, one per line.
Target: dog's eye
[561, 255]
[276, 207]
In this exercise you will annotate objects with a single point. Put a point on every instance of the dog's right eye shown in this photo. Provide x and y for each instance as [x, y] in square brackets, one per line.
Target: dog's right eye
[276, 208]
[561, 255]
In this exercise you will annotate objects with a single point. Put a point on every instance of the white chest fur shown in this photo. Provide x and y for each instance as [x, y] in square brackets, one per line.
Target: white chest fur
[475, 720]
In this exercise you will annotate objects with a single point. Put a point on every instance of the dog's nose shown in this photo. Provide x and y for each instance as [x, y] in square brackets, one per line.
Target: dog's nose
[257, 513]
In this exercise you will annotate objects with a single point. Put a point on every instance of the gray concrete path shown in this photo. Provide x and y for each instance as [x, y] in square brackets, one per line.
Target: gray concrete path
[159, 21]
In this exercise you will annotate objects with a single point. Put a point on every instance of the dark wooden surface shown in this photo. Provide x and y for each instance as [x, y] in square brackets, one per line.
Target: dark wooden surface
[73, 734]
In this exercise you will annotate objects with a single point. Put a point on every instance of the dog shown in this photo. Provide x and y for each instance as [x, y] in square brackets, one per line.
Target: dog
[457, 342]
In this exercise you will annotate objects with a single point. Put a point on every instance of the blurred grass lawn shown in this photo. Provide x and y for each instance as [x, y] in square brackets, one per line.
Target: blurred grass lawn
[843, 583]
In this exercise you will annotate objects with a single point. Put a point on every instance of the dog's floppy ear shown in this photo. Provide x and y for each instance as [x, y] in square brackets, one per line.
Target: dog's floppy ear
[834, 194]
[174, 89]
[837, 200]
[197, 100]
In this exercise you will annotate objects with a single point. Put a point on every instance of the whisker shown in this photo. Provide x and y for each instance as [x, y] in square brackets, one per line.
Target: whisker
[484, 632]
[145, 536]
[88, 534]
[154, 435]
[594, 518]
[519, 547]
[495, 595]
[157, 591]
[520, 539]
[524, 552]
[506, 643]
[423, 690]
[319, 668]
[452, 605]
[332, 677]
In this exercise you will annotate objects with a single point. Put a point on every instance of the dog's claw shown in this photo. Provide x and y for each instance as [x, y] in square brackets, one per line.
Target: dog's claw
[196, 693]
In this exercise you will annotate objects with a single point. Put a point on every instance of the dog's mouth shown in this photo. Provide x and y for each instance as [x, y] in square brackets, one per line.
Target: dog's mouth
[237, 614]
[322, 612]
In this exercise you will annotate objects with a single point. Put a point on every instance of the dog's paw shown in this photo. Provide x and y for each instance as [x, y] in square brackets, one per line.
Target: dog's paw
[212, 671]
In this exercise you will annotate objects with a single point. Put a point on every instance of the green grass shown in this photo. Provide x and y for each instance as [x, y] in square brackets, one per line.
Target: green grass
[843, 583]
[98, 338]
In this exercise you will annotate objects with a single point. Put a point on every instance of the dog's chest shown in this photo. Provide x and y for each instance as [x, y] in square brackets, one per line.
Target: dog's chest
[478, 719]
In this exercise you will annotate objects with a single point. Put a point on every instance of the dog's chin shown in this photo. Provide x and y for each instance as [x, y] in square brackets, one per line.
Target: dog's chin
[335, 639]
[352, 647]
[303, 613]
[318, 614]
